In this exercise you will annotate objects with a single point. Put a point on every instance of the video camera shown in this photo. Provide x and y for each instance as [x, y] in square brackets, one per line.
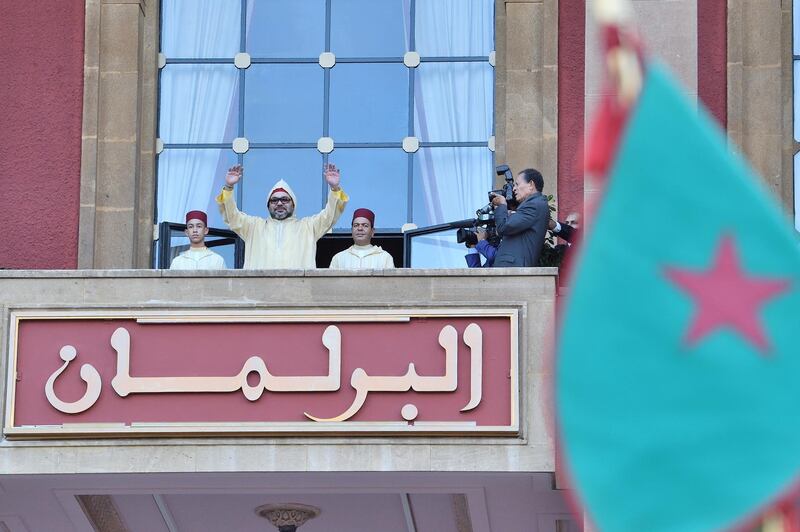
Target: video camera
[507, 192]
[484, 217]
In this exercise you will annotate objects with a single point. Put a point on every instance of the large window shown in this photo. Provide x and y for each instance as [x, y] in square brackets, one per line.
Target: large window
[398, 93]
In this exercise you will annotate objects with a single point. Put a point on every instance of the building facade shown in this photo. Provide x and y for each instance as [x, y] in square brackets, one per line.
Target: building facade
[82, 155]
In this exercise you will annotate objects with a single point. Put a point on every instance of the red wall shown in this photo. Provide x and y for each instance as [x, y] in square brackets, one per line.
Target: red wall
[571, 104]
[41, 96]
[712, 58]
[712, 87]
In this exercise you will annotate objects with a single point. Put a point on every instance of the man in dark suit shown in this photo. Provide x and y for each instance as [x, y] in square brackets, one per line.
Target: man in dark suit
[568, 230]
[523, 231]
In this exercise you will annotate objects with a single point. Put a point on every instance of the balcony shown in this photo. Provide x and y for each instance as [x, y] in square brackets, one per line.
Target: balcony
[51, 299]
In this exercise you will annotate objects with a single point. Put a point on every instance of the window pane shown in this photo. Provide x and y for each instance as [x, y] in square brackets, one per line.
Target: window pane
[189, 180]
[439, 250]
[796, 100]
[369, 103]
[200, 28]
[301, 168]
[285, 28]
[375, 178]
[284, 103]
[454, 27]
[179, 243]
[453, 102]
[366, 28]
[199, 103]
[227, 250]
[450, 184]
[797, 191]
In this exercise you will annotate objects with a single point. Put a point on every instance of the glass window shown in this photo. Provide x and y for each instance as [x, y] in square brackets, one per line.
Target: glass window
[178, 243]
[223, 246]
[375, 178]
[189, 179]
[447, 28]
[300, 168]
[285, 28]
[796, 100]
[369, 103]
[366, 28]
[284, 103]
[450, 184]
[438, 250]
[797, 191]
[200, 28]
[199, 104]
[453, 102]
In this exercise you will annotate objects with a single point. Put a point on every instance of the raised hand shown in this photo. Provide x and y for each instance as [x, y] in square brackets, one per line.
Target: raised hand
[234, 175]
[332, 176]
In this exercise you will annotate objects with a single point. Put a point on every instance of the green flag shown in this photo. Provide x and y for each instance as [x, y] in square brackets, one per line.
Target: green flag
[678, 360]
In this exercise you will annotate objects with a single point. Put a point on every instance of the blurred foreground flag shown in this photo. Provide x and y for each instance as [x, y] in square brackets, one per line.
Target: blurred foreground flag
[678, 358]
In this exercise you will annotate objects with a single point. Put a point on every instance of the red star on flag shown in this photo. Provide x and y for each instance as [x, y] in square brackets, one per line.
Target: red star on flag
[725, 295]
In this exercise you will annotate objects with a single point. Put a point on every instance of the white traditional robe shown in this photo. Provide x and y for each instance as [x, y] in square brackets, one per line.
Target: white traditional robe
[198, 259]
[289, 243]
[362, 258]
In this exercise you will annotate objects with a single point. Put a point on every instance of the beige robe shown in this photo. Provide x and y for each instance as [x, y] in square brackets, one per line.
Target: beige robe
[198, 259]
[289, 243]
[362, 258]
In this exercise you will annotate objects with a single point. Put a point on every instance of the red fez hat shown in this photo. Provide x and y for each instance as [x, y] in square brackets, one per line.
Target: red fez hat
[197, 215]
[279, 190]
[365, 213]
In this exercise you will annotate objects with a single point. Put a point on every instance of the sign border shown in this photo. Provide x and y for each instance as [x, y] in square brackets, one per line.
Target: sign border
[304, 429]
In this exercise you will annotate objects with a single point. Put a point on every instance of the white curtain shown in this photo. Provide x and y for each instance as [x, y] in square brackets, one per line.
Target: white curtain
[454, 102]
[198, 102]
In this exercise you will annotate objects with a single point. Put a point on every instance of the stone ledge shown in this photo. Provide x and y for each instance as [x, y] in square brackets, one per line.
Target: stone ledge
[398, 272]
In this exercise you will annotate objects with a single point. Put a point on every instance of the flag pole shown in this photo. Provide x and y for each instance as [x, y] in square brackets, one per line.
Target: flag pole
[783, 517]
[624, 76]
[622, 48]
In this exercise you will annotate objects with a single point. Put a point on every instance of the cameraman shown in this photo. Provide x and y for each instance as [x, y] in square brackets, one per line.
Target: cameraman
[524, 230]
[482, 247]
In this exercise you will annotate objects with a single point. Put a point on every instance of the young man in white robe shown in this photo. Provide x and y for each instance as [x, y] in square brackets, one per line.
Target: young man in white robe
[362, 255]
[198, 256]
[282, 240]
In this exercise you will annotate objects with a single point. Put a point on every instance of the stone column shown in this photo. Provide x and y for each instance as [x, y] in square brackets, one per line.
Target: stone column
[760, 90]
[117, 159]
[526, 96]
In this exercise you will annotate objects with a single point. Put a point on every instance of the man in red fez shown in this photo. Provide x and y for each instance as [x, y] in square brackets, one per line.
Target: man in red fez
[362, 255]
[198, 256]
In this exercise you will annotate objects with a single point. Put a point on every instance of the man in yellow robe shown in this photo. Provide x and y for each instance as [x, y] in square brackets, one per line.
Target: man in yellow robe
[362, 255]
[282, 240]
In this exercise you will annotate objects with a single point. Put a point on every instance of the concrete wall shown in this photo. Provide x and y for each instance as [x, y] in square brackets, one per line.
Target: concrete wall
[526, 92]
[669, 31]
[760, 90]
[531, 291]
[118, 149]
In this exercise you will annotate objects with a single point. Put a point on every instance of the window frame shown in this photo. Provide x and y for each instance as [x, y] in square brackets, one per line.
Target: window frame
[488, 143]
